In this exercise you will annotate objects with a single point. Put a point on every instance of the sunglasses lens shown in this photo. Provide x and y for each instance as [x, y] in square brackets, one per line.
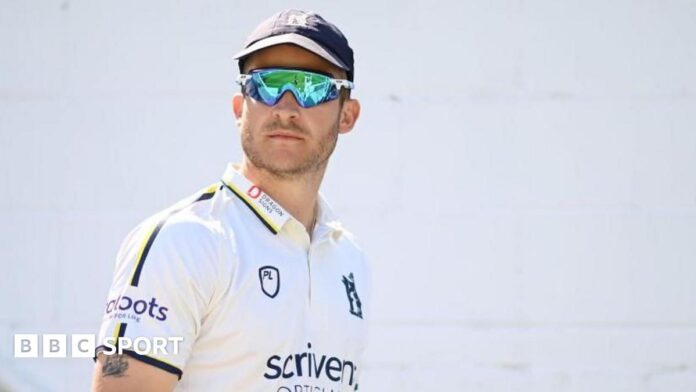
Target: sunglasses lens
[310, 89]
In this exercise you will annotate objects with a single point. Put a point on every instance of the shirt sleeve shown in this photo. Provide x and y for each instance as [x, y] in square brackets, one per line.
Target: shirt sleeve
[165, 279]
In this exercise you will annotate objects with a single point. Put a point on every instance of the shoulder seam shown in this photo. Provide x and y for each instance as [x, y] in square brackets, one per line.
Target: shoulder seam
[206, 194]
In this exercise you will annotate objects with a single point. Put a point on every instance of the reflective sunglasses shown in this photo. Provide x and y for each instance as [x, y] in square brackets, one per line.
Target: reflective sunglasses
[309, 88]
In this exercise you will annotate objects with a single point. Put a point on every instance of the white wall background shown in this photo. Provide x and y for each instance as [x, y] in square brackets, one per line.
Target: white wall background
[523, 176]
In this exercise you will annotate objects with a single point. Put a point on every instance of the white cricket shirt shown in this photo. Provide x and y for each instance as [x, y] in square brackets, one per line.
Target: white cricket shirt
[259, 307]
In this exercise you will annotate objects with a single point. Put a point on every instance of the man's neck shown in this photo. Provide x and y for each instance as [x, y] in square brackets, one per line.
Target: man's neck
[298, 196]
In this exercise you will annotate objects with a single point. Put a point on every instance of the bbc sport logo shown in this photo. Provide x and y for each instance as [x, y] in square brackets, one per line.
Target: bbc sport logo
[83, 345]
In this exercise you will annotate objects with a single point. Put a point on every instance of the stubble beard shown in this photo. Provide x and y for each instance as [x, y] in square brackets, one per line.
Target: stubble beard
[315, 161]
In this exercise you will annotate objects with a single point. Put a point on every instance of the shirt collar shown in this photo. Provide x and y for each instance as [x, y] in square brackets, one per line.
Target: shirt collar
[327, 221]
[271, 214]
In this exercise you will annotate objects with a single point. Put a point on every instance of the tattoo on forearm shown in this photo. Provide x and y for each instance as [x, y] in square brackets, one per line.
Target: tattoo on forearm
[115, 365]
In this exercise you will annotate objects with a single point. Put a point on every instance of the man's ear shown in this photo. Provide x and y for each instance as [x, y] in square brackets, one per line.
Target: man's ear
[237, 105]
[350, 111]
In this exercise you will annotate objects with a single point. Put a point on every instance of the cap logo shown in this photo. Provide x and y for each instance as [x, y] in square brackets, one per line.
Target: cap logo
[298, 20]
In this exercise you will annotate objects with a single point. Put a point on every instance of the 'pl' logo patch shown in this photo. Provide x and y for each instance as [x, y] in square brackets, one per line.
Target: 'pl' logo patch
[270, 280]
[355, 304]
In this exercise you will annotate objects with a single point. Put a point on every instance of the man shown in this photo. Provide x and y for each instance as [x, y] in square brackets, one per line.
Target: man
[251, 284]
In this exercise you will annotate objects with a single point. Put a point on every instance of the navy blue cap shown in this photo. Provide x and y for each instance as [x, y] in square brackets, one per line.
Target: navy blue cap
[304, 29]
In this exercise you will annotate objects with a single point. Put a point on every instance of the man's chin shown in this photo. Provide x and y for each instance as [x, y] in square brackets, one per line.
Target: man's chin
[284, 169]
[284, 164]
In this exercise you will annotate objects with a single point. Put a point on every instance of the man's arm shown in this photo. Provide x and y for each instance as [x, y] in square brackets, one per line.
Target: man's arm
[120, 372]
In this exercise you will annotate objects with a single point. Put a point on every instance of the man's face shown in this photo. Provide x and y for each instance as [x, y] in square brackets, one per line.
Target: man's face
[286, 139]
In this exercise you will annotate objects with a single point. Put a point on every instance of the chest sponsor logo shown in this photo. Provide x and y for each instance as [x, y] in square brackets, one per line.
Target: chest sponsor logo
[270, 280]
[352, 293]
[311, 366]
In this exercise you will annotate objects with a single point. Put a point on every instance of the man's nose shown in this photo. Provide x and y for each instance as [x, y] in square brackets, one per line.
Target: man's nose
[287, 107]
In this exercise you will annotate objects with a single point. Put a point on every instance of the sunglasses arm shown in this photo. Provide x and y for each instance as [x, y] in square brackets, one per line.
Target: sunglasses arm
[347, 84]
[241, 79]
